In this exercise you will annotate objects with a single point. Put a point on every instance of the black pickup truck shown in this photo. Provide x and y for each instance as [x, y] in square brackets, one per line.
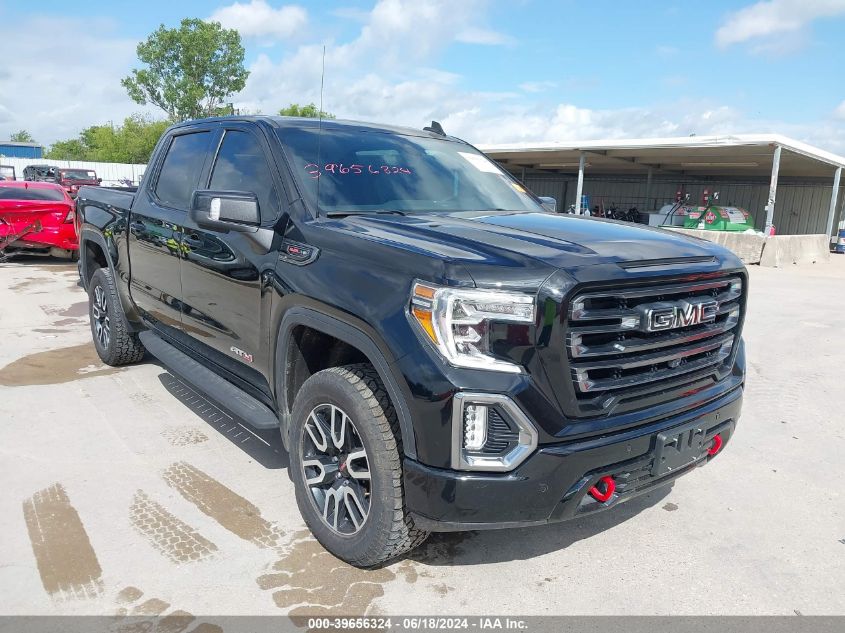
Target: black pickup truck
[439, 350]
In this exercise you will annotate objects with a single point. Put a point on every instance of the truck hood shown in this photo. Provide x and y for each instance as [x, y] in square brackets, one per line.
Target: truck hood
[519, 241]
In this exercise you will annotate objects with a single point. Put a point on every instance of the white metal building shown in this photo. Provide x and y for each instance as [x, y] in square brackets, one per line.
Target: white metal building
[795, 185]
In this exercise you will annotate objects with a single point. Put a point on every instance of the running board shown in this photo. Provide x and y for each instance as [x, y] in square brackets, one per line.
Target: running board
[220, 391]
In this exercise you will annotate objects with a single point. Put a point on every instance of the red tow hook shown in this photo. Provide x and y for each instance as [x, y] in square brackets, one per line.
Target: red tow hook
[609, 488]
[716, 446]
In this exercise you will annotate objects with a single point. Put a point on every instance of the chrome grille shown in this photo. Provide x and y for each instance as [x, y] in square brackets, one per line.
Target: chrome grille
[631, 343]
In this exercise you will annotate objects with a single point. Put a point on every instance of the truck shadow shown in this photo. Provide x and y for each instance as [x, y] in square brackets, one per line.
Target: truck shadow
[262, 445]
[496, 546]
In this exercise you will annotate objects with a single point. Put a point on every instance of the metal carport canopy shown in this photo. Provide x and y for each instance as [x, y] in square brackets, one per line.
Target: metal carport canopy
[741, 155]
[738, 156]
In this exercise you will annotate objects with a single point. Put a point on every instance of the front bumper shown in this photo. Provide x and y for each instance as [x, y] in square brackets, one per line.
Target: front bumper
[553, 484]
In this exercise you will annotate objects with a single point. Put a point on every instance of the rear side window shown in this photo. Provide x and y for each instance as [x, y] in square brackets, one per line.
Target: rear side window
[241, 166]
[181, 169]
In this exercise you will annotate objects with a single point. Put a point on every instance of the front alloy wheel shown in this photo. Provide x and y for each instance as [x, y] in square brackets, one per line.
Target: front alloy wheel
[346, 466]
[336, 469]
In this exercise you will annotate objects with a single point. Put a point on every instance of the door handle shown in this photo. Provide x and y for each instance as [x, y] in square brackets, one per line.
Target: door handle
[193, 241]
[136, 226]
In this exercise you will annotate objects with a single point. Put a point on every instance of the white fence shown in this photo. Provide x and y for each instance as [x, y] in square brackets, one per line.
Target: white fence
[113, 174]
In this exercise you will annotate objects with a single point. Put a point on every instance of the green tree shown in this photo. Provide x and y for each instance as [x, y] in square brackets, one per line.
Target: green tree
[71, 149]
[189, 71]
[132, 142]
[309, 111]
[21, 136]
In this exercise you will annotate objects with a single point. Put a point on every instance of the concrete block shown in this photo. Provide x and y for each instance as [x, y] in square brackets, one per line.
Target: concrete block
[747, 246]
[783, 250]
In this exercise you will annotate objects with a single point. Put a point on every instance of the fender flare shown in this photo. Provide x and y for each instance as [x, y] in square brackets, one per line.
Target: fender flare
[355, 336]
[88, 234]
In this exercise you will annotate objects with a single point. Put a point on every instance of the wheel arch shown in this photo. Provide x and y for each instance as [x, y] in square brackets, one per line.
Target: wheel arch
[354, 334]
[87, 255]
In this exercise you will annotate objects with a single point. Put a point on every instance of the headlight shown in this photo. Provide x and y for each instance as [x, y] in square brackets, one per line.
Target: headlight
[457, 321]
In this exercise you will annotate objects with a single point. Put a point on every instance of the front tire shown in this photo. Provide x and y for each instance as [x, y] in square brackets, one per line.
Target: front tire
[346, 466]
[115, 343]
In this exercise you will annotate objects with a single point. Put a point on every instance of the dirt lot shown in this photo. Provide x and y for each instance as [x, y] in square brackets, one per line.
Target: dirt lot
[125, 492]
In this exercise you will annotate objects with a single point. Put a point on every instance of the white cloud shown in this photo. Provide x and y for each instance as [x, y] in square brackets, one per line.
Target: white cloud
[257, 19]
[478, 35]
[54, 94]
[775, 18]
[839, 112]
[385, 73]
[537, 86]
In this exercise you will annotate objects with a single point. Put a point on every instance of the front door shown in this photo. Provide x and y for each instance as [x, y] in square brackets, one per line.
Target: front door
[225, 305]
[154, 230]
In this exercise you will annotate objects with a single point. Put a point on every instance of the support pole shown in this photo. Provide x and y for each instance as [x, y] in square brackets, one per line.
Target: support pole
[834, 195]
[648, 190]
[773, 191]
[580, 189]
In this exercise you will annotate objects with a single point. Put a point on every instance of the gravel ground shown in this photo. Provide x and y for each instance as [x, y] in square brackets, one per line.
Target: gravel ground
[125, 492]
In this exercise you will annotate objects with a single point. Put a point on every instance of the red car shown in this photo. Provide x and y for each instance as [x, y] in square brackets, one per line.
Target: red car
[36, 218]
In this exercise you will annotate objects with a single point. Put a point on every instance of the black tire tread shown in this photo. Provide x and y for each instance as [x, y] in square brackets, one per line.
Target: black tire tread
[402, 535]
[126, 347]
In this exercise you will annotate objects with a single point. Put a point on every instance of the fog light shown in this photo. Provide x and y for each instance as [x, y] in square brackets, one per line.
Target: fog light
[490, 433]
[475, 426]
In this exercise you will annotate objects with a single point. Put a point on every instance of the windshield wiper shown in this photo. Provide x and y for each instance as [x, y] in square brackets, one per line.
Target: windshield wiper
[341, 214]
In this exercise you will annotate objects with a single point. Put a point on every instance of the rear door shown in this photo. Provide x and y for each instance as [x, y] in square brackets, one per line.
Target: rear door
[225, 299]
[155, 227]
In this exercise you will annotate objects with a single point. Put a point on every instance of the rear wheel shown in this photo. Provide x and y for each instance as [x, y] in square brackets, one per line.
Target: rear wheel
[347, 469]
[115, 343]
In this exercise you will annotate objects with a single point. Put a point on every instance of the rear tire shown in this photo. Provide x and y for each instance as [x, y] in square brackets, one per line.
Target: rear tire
[115, 343]
[349, 492]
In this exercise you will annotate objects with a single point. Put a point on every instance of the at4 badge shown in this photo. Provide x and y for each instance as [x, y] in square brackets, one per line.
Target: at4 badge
[241, 353]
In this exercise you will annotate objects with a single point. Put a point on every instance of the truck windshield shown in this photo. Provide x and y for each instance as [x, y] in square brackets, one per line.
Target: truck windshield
[78, 174]
[375, 171]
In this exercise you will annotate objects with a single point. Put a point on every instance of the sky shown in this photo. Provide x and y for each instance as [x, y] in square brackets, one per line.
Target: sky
[491, 71]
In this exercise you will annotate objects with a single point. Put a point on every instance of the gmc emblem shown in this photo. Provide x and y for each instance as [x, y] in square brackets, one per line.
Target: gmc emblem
[658, 317]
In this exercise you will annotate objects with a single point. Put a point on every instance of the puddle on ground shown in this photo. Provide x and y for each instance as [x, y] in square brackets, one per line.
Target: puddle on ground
[66, 561]
[55, 366]
[78, 309]
[315, 583]
[26, 284]
[61, 322]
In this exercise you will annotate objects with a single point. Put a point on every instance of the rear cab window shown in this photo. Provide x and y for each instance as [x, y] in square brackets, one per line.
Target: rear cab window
[181, 168]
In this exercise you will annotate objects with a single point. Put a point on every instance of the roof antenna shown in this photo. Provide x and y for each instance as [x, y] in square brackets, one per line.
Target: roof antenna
[320, 125]
[436, 128]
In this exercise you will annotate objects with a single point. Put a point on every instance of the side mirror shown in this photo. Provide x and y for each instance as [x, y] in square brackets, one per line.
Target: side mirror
[549, 204]
[225, 210]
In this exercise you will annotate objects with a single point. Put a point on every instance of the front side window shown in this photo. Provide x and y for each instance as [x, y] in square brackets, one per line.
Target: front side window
[241, 166]
[181, 169]
[372, 170]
